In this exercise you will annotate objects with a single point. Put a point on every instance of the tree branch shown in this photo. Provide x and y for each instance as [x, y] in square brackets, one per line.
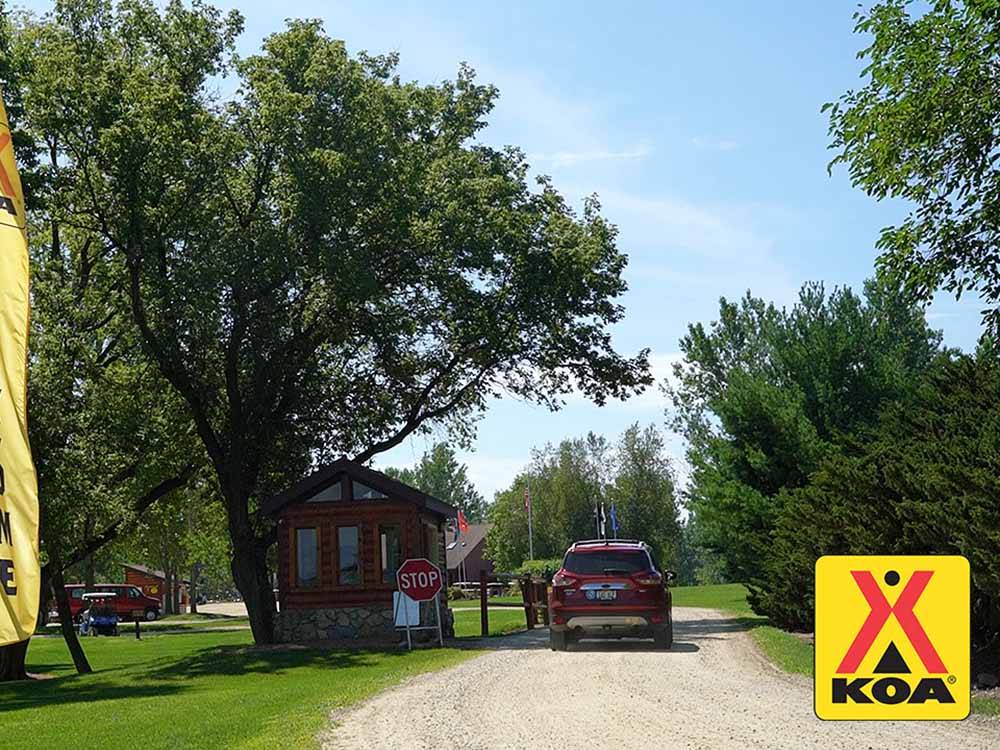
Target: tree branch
[142, 504]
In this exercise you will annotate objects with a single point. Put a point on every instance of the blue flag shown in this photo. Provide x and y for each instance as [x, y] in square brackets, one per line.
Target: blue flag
[614, 521]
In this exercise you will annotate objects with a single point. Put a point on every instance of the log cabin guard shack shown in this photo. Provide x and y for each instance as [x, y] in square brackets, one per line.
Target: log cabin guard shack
[343, 531]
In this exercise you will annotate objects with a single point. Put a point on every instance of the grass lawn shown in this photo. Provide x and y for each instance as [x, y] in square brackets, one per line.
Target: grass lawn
[162, 626]
[195, 690]
[197, 616]
[474, 603]
[502, 621]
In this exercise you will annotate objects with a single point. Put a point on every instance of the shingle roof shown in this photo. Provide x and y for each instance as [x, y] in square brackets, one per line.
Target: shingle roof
[151, 572]
[468, 541]
[325, 476]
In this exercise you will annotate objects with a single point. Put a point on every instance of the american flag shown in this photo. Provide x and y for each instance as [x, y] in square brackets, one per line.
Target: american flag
[527, 500]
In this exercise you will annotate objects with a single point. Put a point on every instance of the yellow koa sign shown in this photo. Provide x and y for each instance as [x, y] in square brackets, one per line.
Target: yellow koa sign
[892, 637]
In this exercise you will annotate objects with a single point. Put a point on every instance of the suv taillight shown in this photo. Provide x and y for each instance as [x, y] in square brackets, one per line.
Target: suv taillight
[561, 579]
[649, 579]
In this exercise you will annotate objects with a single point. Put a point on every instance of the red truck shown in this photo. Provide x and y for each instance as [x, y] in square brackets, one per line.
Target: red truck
[129, 601]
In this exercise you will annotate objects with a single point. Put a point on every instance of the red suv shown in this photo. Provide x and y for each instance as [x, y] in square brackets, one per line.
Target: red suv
[610, 588]
[130, 603]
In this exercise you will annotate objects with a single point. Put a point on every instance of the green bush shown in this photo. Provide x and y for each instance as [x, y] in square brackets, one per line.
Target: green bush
[541, 568]
[926, 482]
[455, 593]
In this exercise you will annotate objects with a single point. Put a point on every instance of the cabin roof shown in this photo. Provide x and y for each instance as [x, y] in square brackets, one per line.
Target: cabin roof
[331, 473]
[152, 572]
[458, 549]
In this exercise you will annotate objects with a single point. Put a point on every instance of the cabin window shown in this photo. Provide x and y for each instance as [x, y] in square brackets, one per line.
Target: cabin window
[306, 557]
[390, 544]
[364, 492]
[331, 494]
[432, 543]
[349, 569]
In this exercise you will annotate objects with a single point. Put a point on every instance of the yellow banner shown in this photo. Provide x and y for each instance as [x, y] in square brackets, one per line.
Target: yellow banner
[19, 564]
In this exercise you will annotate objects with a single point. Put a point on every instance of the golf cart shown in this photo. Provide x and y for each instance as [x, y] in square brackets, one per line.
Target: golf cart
[99, 616]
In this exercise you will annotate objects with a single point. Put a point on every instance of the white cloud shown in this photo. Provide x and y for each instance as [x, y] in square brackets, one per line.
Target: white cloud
[710, 231]
[572, 158]
[490, 473]
[710, 143]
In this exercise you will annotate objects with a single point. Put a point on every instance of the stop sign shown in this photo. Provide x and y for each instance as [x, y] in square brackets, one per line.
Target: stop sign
[419, 579]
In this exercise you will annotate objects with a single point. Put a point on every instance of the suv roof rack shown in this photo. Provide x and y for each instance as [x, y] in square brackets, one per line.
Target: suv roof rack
[602, 542]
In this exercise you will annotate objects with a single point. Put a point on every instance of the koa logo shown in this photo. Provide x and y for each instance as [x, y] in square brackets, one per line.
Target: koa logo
[892, 637]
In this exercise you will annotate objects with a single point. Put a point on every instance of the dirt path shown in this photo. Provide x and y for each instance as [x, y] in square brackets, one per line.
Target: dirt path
[711, 691]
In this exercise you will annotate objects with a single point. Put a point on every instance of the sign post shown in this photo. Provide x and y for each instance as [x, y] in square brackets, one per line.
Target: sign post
[420, 580]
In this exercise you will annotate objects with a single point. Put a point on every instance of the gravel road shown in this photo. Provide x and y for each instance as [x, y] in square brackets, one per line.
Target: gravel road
[712, 690]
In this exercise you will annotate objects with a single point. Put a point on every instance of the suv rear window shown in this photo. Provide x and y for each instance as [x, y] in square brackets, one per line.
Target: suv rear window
[625, 561]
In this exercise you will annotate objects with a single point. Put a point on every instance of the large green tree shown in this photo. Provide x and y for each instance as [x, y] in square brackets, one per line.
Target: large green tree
[106, 441]
[642, 492]
[924, 480]
[326, 261]
[439, 473]
[565, 482]
[925, 127]
[765, 395]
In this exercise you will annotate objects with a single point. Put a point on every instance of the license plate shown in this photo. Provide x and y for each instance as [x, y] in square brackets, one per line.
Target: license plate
[606, 595]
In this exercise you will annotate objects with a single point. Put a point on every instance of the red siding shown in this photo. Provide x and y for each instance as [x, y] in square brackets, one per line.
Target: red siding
[367, 515]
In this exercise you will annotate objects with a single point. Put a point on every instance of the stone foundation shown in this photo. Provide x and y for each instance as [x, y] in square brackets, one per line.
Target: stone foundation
[341, 623]
[299, 625]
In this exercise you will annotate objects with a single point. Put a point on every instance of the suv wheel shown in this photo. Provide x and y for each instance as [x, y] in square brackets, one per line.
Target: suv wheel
[151, 614]
[557, 640]
[664, 637]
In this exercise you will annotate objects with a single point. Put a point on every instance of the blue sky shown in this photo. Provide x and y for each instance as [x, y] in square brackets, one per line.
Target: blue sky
[697, 124]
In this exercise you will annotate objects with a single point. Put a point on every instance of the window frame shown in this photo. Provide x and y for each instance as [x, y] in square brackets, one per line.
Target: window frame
[398, 525]
[432, 551]
[356, 525]
[296, 581]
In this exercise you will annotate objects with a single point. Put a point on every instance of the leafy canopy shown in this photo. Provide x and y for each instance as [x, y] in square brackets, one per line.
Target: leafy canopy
[925, 127]
[764, 395]
[323, 262]
[439, 474]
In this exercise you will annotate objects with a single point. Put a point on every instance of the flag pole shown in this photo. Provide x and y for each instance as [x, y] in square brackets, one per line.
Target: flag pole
[531, 541]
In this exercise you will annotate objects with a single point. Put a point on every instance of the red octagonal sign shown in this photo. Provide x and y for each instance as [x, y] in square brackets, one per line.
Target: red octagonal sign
[419, 579]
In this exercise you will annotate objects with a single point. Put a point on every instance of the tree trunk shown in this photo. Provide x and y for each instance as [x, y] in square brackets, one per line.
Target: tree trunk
[12, 657]
[193, 589]
[90, 574]
[12, 662]
[44, 582]
[89, 565]
[66, 623]
[168, 593]
[178, 586]
[249, 566]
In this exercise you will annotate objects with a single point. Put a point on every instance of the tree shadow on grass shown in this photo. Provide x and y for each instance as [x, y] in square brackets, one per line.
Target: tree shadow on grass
[169, 675]
[709, 627]
[239, 660]
[39, 693]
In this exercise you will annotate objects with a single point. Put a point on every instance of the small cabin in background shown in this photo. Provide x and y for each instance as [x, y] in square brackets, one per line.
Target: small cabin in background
[467, 554]
[154, 583]
[343, 531]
